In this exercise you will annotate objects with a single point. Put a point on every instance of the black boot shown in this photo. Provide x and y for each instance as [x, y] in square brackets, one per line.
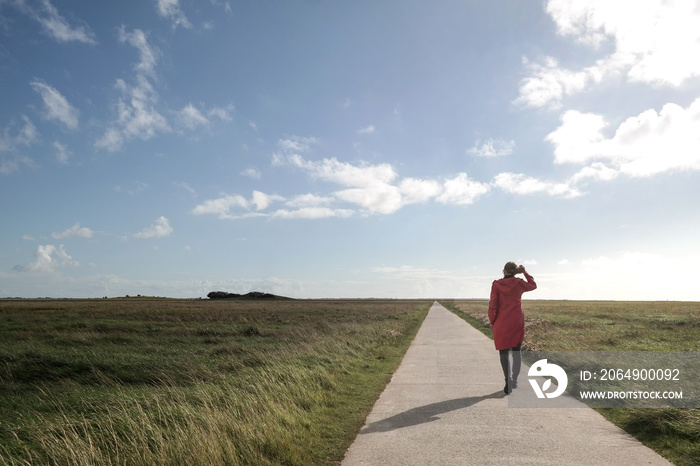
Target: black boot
[508, 388]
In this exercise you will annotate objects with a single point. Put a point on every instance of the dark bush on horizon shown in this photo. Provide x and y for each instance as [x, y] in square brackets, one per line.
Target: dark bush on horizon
[251, 295]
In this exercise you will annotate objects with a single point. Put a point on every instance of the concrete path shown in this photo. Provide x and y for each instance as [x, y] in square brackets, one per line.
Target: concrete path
[445, 406]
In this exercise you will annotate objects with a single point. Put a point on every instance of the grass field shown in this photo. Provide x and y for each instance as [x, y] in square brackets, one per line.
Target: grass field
[161, 381]
[616, 326]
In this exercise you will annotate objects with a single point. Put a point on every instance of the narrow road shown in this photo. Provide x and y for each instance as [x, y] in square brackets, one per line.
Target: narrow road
[445, 406]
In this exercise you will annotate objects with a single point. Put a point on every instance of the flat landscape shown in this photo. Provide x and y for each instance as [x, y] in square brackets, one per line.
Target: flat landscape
[165, 381]
[162, 381]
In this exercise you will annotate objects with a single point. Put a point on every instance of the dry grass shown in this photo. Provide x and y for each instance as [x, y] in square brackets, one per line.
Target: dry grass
[153, 381]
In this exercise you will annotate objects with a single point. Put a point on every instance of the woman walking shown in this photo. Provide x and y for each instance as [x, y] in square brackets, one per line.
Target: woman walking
[507, 319]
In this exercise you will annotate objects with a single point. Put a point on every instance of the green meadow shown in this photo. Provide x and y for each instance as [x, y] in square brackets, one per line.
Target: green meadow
[255, 382]
[616, 326]
[165, 382]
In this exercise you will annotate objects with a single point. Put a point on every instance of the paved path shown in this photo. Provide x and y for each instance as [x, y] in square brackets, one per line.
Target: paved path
[445, 406]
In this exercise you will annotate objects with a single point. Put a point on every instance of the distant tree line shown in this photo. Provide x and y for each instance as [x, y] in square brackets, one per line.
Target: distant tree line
[251, 295]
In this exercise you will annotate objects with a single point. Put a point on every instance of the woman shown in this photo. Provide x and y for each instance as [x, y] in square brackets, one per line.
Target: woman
[507, 318]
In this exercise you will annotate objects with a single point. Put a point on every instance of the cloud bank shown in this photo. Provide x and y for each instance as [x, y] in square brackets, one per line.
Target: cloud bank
[657, 44]
[49, 258]
[644, 145]
[365, 189]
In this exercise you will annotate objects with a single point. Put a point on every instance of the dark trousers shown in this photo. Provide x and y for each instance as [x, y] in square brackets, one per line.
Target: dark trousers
[505, 363]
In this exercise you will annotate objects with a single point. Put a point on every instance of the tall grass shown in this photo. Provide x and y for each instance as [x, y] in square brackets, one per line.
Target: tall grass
[616, 326]
[193, 382]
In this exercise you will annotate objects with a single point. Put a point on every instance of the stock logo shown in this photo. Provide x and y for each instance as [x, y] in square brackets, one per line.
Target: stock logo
[544, 369]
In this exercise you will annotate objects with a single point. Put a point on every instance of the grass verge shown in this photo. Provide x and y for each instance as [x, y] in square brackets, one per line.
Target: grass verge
[156, 381]
[615, 326]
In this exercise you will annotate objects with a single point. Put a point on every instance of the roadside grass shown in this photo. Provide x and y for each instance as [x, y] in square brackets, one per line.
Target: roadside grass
[161, 381]
[615, 326]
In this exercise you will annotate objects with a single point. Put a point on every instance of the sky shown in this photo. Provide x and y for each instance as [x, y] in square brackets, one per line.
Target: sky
[349, 149]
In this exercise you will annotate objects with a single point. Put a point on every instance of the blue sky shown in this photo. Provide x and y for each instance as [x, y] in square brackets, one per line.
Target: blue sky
[388, 148]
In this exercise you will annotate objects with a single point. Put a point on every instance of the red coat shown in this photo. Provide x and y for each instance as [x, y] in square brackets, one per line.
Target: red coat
[506, 310]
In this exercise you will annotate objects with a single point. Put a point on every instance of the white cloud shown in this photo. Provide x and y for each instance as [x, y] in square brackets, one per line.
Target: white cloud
[222, 113]
[221, 206]
[375, 197]
[253, 173]
[62, 152]
[312, 213]
[647, 144]
[170, 9]
[417, 191]
[369, 189]
[597, 171]
[658, 44]
[309, 200]
[137, 116]
[461, 190]
[11, 164]
[159, 229]
[548, 84]
[11, 156]
[55, 25]
[367, 130]
[112, 140]
[492, 148]
[186, 187]
[48, 259]
[369, 185]
[56, 105]
[27, 136]
[344, 173]
[297, 144]
[224, 206]
[304, 206]
[191, 117]
[75, 230]
[517, 183]
[577, 135]
[148, 54]
[262, 201]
